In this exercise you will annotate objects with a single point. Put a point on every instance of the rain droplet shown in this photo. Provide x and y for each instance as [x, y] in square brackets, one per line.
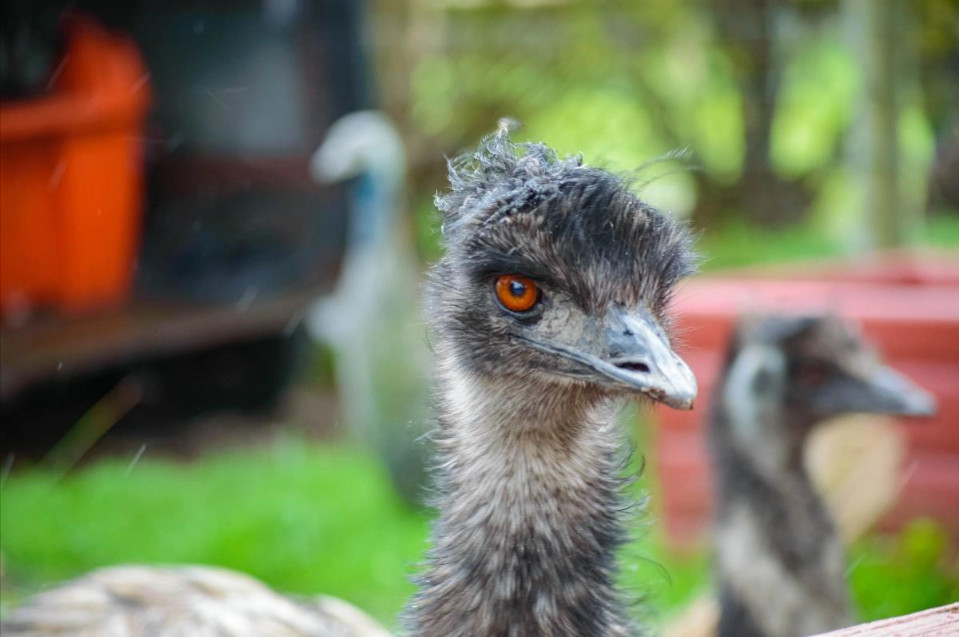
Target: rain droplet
[247, 299]
[136, 459]
[57, 174]
[7, 466]
[140, 83]
[57, 71]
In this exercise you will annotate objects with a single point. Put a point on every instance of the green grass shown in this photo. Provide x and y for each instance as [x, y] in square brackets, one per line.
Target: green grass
[310, 518]
[303, 518]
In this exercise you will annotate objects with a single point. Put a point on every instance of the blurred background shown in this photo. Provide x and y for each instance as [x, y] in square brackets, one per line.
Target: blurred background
[216, 215]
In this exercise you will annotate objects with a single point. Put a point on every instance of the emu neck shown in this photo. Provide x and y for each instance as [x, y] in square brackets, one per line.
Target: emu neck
[529, 512]
[780, 561]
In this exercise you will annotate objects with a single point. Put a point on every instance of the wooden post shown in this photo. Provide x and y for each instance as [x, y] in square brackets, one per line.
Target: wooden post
[935, 622]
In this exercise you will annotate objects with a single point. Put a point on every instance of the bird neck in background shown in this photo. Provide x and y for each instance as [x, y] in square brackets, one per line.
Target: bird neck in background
[780, 567]
[779, 558]
[764, 474]
[530, 511]
[768, 480]
[769, 440]
[375, 203]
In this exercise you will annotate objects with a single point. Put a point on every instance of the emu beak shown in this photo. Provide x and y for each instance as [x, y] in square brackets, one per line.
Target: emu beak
[882, 390]
[625, 350]
[639, 356]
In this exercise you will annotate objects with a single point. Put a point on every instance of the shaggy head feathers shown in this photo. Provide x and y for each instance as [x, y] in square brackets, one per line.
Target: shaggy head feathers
[519, 205]
[578, 231]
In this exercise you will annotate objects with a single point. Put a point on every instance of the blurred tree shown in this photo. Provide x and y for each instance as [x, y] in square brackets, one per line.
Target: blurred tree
[875, 146]
[746, 32]
[936, 38]
[761, 92]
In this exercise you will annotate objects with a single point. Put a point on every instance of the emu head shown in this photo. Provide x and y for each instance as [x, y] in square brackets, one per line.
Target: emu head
[785, 374]
[556, 273]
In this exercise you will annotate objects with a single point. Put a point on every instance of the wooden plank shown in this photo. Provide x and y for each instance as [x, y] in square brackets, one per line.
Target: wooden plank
[935, 622]
[77, 345]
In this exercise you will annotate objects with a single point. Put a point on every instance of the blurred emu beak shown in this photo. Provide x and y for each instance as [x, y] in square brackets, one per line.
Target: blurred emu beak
[886, 391]
[638, 356]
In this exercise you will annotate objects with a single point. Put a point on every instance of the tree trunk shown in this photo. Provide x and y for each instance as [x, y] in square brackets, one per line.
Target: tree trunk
[874, 148]
[746, 31]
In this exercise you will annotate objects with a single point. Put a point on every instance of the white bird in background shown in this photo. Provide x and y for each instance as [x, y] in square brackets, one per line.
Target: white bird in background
[372, 320]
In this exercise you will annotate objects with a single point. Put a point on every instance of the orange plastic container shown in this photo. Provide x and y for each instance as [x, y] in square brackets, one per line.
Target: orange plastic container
[71, 178]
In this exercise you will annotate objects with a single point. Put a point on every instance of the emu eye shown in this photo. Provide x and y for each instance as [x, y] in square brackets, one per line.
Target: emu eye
[516, 293]
[813, 373]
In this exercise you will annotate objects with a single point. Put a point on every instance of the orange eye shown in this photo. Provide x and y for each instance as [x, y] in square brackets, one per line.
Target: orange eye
[516, 293]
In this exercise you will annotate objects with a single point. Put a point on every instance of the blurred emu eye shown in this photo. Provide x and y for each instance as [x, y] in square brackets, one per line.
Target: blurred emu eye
[813, 374]
[516, 293]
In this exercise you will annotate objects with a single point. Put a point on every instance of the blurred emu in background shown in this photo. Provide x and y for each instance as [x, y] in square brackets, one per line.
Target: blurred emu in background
[780, 560]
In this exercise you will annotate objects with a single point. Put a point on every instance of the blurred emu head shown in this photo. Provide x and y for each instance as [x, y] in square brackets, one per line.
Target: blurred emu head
[557, 273]
[791, 372]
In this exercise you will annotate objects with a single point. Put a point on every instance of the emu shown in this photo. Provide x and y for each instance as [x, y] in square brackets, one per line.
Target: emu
[547, 311]
[779, 563]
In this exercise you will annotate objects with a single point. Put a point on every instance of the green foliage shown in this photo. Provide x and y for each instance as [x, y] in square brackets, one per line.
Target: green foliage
[612, 84]
[623, 83]
[904, 574]
[738, 244]
[942, 231]
[815, 106]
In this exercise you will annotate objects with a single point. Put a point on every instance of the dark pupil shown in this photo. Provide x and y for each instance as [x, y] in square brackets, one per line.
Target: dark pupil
[517, 289]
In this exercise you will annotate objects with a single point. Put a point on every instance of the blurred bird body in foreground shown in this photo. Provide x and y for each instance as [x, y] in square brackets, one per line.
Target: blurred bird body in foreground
[188, 601]
[780, 566]
[547, 311]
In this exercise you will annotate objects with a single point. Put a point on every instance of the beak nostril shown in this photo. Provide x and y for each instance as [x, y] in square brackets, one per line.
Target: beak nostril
[634, 367]
[627, 332]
